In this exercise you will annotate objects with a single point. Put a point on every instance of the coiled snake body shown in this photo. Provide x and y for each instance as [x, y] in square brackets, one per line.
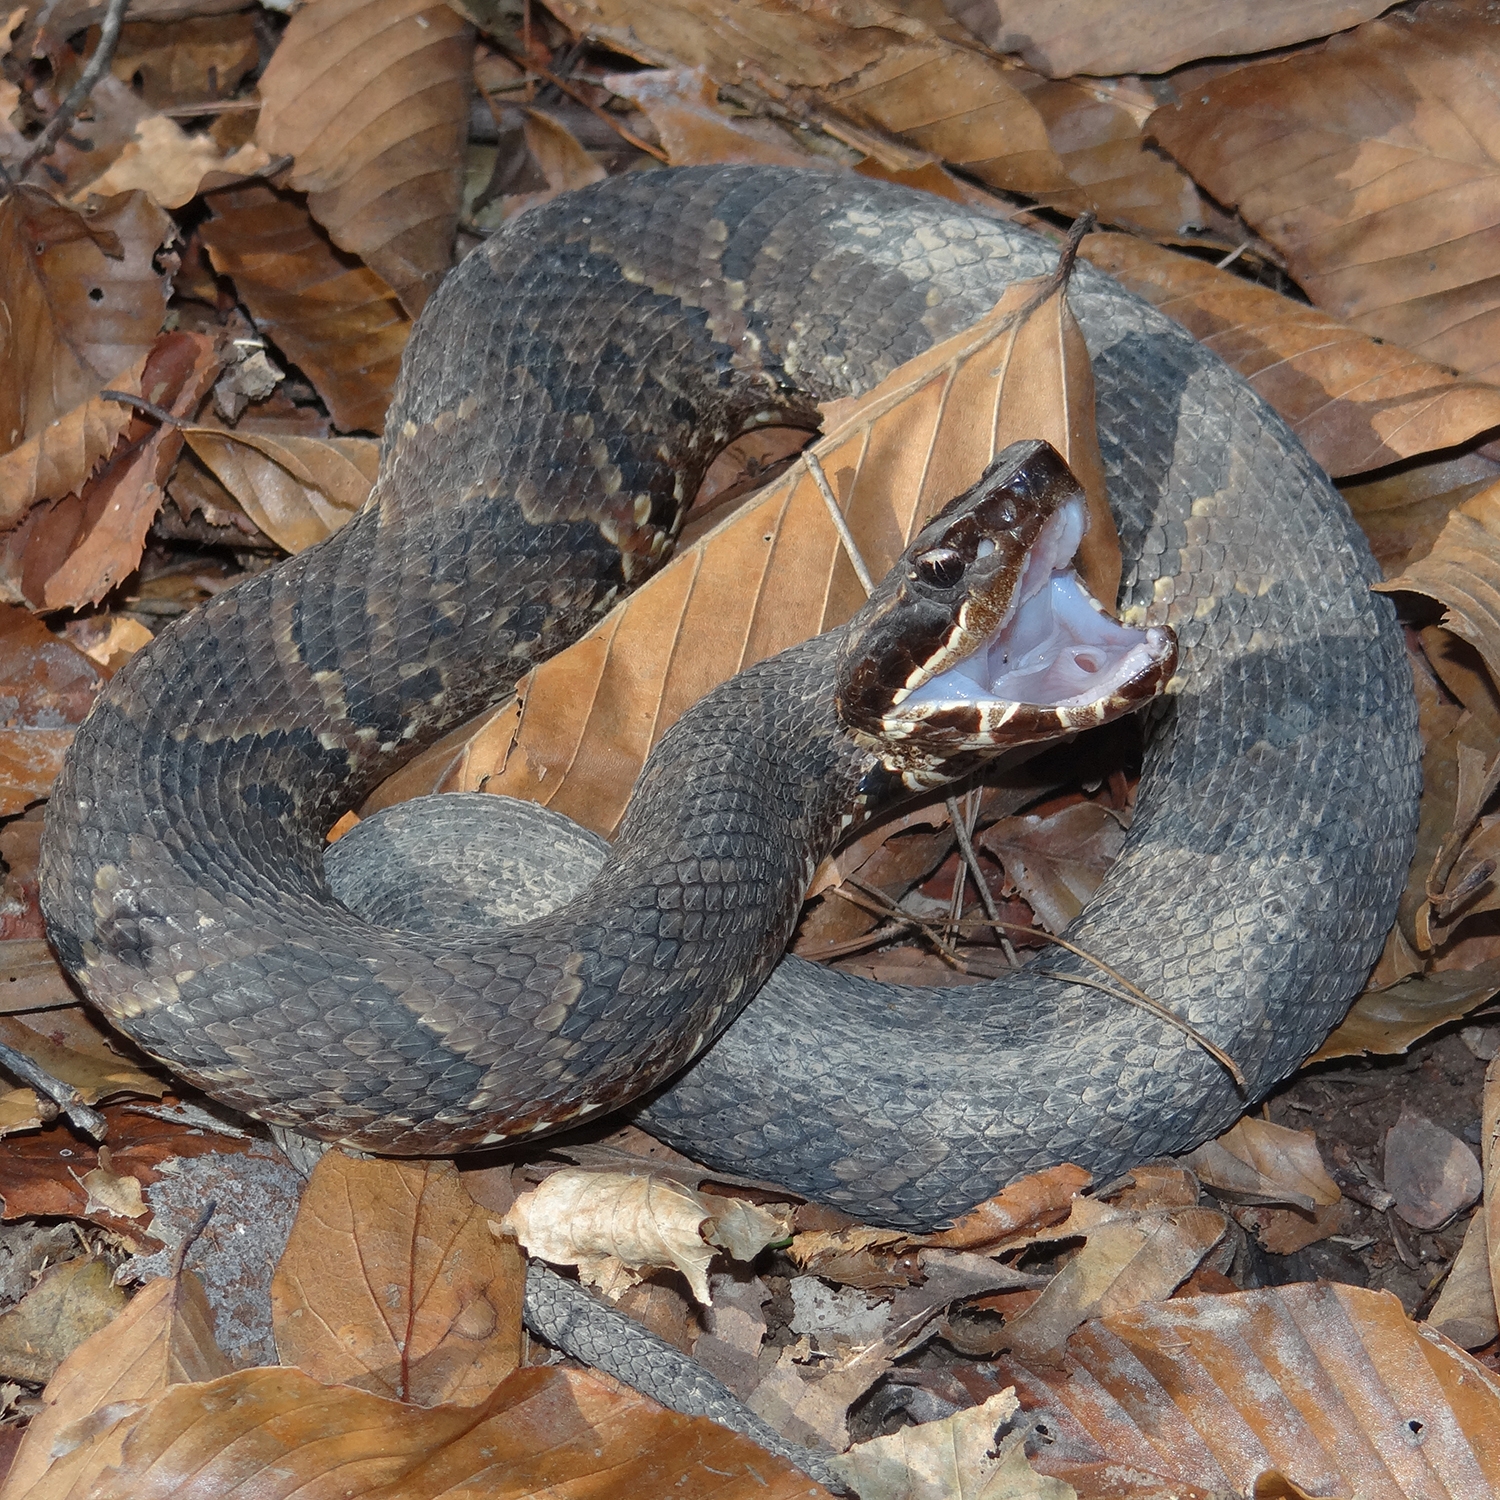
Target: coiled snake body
[558, 404]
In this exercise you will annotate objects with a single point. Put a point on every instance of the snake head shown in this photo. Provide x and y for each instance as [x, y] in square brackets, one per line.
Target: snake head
[983, 637]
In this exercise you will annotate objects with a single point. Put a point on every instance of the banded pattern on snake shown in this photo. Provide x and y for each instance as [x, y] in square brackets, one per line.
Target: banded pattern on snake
[560, 400]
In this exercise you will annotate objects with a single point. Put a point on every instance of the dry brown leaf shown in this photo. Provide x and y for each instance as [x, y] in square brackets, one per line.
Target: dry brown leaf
[371, 99]
[298, 490]
[71, 1045]
[1101, 147]
[1331, 1386]
[614, 1225]
[165, 1336]
[114, 110]
[60, 459]
[1403, 509]
[1462, 572]
[1432, 1173]
[47, 686]
[1371, 164]
[70, 1303]
[103, 531]
[1489, 1155]
[1126, 1262]
[169, 165]
[1355, 401]
[1063, 37]
[83, 302]
[392, 1283]
[1383, 1022]
[335, 319]
[682, 103]
[189, 61]
[30, 976]
[1257, 1161]
[542, 1433]
[954, 1458]
[1465, 1308]
[775, 572]
[867, 73]
[1056, 860]
[1042, 1198]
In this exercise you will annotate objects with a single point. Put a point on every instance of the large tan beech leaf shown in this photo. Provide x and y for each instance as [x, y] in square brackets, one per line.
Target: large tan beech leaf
[336, 319]
[775, 573]
[1329, 1387]
[371, 99]
[1063, 37]
[865, 65]
[392, 1282]
[1357, 402]
[1373, 163]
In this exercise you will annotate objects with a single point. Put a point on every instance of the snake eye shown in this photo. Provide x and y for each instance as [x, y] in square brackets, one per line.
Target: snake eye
[942, 567]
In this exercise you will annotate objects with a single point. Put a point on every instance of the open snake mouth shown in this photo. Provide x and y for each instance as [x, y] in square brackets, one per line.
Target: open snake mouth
[983, 636]
[1056, 649]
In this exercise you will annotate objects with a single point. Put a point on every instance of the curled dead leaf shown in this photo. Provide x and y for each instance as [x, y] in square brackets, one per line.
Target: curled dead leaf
[614, 1225]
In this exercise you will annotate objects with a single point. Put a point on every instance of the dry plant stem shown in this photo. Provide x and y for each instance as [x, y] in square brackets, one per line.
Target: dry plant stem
[878, 902]
[98, 64]
[840, 525]
[141, 404]
[1234, 255]
[179, 1259]
[217, 107]
[63, 1095]
[961, 831]
[577, 95]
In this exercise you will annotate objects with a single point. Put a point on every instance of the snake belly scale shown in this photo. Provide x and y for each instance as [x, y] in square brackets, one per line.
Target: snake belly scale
[560, 400]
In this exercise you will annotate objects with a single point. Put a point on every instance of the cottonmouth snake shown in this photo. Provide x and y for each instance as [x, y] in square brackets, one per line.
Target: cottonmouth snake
[558, 404]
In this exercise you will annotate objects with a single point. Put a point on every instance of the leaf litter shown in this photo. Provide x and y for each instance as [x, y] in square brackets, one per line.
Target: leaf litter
[238, 229]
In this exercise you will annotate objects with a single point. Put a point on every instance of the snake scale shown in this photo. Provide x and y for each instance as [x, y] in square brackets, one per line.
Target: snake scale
[560, 400]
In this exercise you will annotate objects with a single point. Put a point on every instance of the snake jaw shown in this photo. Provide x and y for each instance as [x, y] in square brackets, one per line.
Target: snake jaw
[984, 637]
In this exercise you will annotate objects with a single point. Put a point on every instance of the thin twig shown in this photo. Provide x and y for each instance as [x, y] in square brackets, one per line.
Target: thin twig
[140, 403]
[212, 107]
[57, 126]
[1234, 255]
[986, 896]
[883, 906]
[534, 70]
[840, 525]
[63, 1095]
[179, 1259]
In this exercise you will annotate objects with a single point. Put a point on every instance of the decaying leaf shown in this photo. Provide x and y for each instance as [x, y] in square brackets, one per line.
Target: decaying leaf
[169, 165]
[298, 490]
[1258, 1162]
[869, 74]
[1063, 37]
[960, 1457]
[1127, 1261]
[164, 1336]
[47, 687]
[1330, 1387]
[79, 548]
[392, 1283]
[336, 319]
[188, 61]
[1035, 1201]
[1371, 164]
[612, 1225]
[1432, 1173]
[71, 1302]
[83, 303]
[1057, 860]
[1465, 1308]
[776, 573]
[1356, 401]
[371, 99]
[540, 1433]
[682, 103]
